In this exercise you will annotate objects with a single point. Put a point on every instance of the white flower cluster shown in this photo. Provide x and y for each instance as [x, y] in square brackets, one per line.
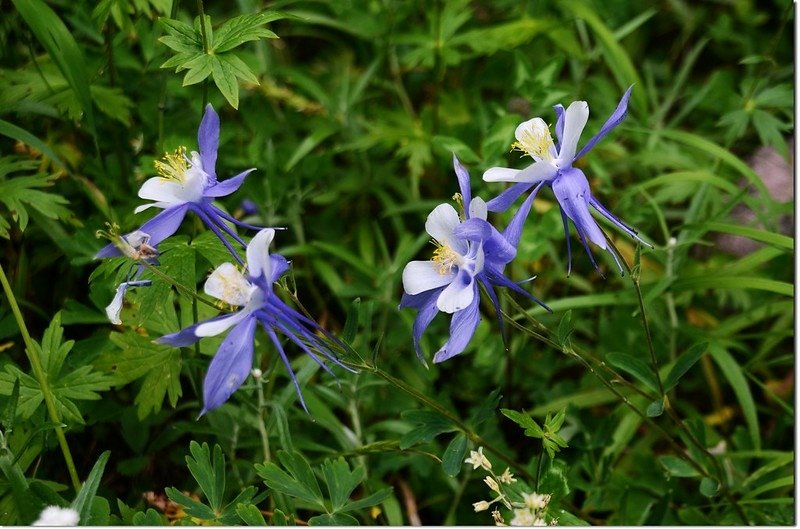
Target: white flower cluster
[528, 512]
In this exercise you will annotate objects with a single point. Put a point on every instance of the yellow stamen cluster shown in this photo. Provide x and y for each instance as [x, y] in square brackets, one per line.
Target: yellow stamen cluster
[535, 142]
[174, 165]
[446, 258]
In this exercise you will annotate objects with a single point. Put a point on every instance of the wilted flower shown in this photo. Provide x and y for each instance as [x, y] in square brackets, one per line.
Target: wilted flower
[553, 165]
[135, 246]
[189, 183]
[468, 251]
[481, 505]
[259, 304]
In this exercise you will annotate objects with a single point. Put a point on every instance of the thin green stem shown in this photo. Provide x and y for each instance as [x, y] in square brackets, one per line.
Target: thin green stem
[260, 419]
[202, 14]
[41, 378]
[182, 288]
[539, 469]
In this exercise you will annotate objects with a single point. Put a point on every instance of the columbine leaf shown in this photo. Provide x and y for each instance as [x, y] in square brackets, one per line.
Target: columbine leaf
[225, 79]
[81, 383]
[200, 67]
[83, 501]
[299, 482]
[191, 506]
[244, 28]
[453, 456]
[180, 36]
[210, 476]
[532, 429]
[340, 480]
[139, 357]
[21, 193]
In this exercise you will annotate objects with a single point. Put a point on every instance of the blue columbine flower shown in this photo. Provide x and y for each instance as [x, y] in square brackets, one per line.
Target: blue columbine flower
[189, 183]
[468, 251]
[553, 165]
[253, 293]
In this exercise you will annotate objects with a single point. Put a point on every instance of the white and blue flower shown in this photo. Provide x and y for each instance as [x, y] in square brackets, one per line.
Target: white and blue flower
[189, 183]
[468, 251]
[251, 291]
[553, 165]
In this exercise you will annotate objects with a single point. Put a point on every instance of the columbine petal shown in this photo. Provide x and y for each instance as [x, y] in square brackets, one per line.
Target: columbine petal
[230, 366]
[462, 175]
[279, 266]
[227, 284]
[575, 119]
[536, 172]
[420, 276]
[226, 187]
[559, 110]
[613, 120]
[462, 327]
[507, 197]
[477, 208]
[458, 294]
[115, 307]
[440, 225]
[186, 336]
[572, 192]
[165, 223]
[208, 141]
[215, 327]
[258, 262]
[473, 230]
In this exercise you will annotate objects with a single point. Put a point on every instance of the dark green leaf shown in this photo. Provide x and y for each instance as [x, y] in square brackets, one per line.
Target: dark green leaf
[709, 487]
[250, 514]
[683, 364]
[453, 457]
[635, 367]
[340, 481]
[678, 467]
[655, 408]
[333, 519]
[373, 499]
[225, 79]
[83, 501]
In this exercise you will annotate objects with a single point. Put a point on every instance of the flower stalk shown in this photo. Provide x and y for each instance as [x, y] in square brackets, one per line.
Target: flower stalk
[41, 378]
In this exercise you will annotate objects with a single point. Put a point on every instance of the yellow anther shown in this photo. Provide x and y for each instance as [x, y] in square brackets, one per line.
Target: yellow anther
[534, 140]
[446, 258]
[174, 165]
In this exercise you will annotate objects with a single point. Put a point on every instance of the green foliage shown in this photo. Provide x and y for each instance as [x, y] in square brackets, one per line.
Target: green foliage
[204, 52]
[351, 120]
[20, 194]
[298, 481]
[78, 383]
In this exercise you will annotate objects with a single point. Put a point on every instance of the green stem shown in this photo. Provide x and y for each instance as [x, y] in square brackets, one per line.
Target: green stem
[539, 469]
[41, 378]
[262, 430]
[182, 288]
[205, 47]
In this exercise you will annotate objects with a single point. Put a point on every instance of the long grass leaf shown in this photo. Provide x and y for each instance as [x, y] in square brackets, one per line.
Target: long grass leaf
[63, 50]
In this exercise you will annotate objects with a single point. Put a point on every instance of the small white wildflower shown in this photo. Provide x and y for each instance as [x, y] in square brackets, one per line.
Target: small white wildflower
[554, 521]
[507, 477]
[539, 522]
[477, 459]
[535, 501]
[491, 483]
[57, 516]
[480, 506]
[522, 518]
[256, 372]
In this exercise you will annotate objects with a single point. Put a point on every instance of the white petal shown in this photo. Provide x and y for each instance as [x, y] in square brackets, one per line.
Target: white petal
[457, 296]
[477, 209]
[258, 262]
[54, 516]
[226, 283]
[536, 172]
[115, 307]
[479, 259]
[161, 190]
[440, 225]
[575, 120]
[501, 174]
[213, 328]
[420, 276]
